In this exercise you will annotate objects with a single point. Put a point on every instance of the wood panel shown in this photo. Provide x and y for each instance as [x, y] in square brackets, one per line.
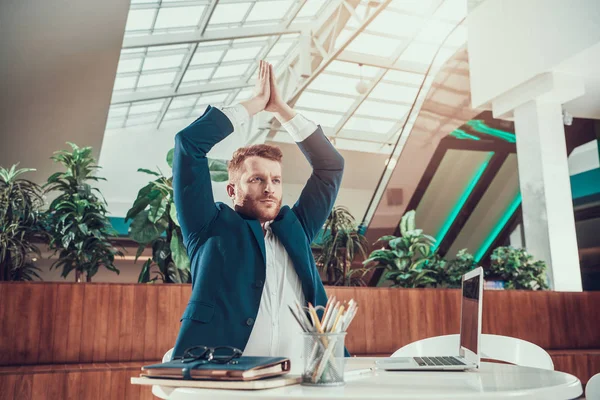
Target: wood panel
[391, 318]
[74, 382]
[96, 323]
[45, 323]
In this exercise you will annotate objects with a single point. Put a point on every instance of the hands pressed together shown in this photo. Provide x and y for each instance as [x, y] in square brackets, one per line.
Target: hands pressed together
[266, 95]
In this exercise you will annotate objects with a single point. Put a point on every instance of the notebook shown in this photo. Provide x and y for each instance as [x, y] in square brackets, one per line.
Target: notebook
[240, 369]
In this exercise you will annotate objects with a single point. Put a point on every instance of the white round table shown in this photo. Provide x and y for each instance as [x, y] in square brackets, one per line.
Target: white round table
[491, 381]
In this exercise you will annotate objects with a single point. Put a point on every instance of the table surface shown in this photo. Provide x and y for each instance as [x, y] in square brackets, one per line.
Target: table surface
[491, 381]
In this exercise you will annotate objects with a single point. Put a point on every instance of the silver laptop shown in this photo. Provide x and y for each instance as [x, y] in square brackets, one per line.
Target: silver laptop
[467, 356]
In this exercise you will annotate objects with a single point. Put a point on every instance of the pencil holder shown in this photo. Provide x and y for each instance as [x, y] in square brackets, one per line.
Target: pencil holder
[324, 360]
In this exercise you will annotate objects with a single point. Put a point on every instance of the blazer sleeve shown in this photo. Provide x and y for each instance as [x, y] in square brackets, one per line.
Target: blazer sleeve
[192, 188]
[321, 189]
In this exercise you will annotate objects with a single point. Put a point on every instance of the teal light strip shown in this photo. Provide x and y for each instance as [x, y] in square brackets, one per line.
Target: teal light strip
[499, 226]
[479, 126]
[460, 134]
[462, 200]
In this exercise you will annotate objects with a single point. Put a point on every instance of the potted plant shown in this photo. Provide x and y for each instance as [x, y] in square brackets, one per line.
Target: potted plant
[341, 243]
[517, 269]
[78, 226]
[449, 273]
[155, 224]
[409, 260]
[20, 225]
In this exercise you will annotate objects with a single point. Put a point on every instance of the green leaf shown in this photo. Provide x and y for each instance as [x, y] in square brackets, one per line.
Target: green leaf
[144, 198]
[179, 253]
[144, 276]
[149, 172]
[217, 165]
[170, 156]
[140, 250]
[142, 230]
[173, 214]
[386, 238]
[158, 207]
[219, 176]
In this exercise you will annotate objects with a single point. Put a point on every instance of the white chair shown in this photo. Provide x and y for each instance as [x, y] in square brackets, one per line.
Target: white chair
[163, 392]
[496, 347]
[592, 389]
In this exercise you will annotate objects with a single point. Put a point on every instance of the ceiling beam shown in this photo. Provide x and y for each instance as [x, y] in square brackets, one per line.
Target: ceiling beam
[161, 94]
[199, 37]
[188, 59]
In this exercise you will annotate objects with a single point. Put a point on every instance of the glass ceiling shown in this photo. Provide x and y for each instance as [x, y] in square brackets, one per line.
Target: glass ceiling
[179, 56]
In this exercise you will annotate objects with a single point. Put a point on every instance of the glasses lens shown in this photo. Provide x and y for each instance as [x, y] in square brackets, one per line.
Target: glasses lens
[195, 352]
[224, 354]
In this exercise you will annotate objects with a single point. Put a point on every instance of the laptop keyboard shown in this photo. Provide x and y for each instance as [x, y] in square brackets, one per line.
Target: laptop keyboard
[433, 361]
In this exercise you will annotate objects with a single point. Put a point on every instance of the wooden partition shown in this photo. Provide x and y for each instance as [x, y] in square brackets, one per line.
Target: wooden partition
[100, 328]
[53, 323]
[391, 318]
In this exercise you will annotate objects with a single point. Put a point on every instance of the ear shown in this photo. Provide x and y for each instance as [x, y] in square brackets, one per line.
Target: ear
[231, 190]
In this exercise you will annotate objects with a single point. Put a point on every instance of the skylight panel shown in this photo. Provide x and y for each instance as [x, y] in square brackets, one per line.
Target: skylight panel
[140, 19]
[144, 107]
[269, 10]
[451, 10]
[184, 101]
[382, 109]
[420, 53]
[229, 13]
[391, 92]
[164, 62]
[325, 102]
[244, 53]
[124, 83]
[310, 8]
[321, 118]
[334, 84]
[397, 24]
[369, 125]
[132, 65]
[160, 79]
[178, 113]
[434, 32]
[197, 74]
[141, 119]
[377, 45]
[178, 17]
[353, 69]
[236, 71]
[206, 57]
[403, 77]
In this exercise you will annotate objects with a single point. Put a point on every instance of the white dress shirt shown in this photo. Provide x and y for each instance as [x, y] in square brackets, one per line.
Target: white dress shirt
[275, 332]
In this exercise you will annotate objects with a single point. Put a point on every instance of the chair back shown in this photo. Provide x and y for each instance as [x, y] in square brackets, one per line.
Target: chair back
[592, 389]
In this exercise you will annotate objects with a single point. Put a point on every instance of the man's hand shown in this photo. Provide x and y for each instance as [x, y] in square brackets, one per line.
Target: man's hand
[262, 90]
[276, 105]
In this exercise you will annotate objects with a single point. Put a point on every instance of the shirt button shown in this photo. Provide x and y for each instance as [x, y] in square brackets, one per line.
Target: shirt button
[258, 283]
[250, 322]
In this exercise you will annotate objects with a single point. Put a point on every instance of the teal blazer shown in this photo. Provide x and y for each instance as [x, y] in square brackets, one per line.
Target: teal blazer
[227, 249]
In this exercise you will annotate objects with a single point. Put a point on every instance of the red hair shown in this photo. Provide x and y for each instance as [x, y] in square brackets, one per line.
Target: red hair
[258, 150]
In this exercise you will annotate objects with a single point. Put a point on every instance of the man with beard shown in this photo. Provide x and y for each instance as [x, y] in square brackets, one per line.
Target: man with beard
[251, 262]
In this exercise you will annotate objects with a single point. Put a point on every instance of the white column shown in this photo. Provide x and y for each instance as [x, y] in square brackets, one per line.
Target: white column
[548, 218]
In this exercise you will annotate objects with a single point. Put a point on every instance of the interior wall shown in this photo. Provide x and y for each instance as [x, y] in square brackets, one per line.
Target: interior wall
[58, 61]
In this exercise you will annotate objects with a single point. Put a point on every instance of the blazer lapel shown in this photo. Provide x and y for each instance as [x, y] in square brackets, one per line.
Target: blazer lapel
[258, 234]
[290, 233]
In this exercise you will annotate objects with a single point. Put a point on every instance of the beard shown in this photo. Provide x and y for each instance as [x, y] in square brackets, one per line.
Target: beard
[258, 208]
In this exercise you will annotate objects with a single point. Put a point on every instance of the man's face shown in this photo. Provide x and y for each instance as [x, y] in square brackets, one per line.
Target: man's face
[258, 189]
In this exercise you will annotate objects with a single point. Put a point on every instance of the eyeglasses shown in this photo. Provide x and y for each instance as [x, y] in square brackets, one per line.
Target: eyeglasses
[218, 355]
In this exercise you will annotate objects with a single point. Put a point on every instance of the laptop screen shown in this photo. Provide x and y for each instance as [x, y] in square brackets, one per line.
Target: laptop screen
[469, 320]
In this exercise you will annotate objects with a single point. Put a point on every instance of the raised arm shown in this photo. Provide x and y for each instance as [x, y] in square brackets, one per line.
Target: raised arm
[192, 186]
[321, 189]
